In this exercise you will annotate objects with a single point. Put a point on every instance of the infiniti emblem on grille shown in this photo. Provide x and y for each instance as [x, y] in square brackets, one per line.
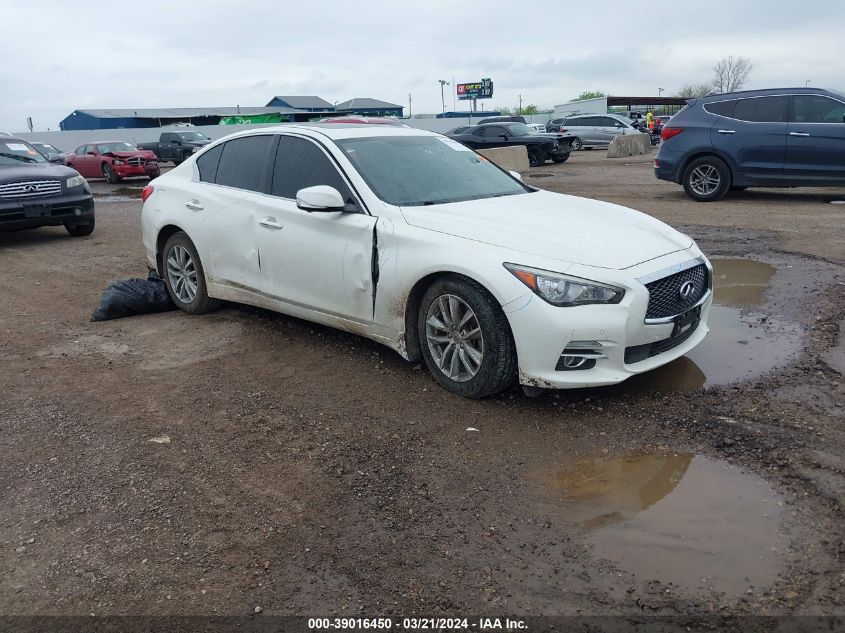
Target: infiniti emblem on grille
[686, 290]
[30, 188]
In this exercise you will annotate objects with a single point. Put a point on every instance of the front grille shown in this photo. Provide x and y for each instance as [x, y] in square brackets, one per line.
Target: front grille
[664, 299]
[31, 189]
[636, 353]
[135, 161]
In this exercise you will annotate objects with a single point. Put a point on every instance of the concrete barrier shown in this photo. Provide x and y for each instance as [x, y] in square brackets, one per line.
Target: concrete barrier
[510, 158]
[629, 145]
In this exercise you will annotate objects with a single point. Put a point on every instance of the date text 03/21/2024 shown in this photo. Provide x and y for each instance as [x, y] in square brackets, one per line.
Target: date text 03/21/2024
[417, 624]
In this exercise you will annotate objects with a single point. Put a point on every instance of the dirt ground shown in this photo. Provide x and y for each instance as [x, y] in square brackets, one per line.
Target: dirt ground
[166, 464]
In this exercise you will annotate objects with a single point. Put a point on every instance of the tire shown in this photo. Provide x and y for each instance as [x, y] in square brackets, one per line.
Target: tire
[707, 179]
[560, 159]
[108, 174]
[80, 229]
[536, 156]
[481, 365]
[184, 276]
[577, 144]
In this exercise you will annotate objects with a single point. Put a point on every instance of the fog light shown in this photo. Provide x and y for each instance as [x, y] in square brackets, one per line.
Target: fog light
[573, 362]
[580, 355]
[77, 211]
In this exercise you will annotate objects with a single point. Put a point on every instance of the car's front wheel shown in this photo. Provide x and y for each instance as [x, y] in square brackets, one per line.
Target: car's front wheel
[184, 276]
[577, 144]
[80, 229]
[536, 156]
[109, 174]
[707, 179]
[560, 159]
[465, 338]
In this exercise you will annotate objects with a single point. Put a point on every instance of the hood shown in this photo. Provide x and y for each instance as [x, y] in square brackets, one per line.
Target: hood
[197, 143]
[555, 226]
[143, 153]
[35, 171]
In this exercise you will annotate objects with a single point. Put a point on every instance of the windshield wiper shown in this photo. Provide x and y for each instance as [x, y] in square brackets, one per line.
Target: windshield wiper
[19, 157]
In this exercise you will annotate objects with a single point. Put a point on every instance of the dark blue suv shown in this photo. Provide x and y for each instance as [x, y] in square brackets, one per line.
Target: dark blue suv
[790, 137]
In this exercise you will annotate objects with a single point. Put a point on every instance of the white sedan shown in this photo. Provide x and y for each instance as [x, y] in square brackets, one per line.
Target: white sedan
[411, 239]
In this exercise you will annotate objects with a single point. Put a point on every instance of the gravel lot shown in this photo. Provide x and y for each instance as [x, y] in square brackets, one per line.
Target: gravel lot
[173, 465]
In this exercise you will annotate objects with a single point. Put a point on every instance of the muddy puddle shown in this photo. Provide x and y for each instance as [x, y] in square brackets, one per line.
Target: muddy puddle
[685, 519]
[744, 342]
[120, 194]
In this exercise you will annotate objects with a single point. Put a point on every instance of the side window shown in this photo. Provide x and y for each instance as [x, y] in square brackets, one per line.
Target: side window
[243, 162]
[479, 131]
[207, 163]
[495, 131]
[80, 151]
[167, 137]
[817, 109]
[761, 110]
[721, 108]
[301, 163]
[607, 121]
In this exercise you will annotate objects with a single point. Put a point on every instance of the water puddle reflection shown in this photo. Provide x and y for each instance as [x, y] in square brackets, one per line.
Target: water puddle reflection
[681, 518]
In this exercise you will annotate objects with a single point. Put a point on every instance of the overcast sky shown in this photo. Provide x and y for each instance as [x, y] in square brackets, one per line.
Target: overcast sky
[58, 56]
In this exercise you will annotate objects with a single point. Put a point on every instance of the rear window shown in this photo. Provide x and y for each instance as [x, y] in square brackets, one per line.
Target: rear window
[721, 108]
[207, 163]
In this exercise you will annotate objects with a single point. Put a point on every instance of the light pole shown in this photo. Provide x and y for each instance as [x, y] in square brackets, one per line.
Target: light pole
[443, 82]
[659, 92]
[806, 83]
[520, 105]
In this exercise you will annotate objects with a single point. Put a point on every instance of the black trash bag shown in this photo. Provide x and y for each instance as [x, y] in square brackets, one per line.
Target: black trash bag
[128, 297]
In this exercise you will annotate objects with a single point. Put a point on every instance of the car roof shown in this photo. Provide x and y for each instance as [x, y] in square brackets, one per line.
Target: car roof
[722, 96]
[337, 131]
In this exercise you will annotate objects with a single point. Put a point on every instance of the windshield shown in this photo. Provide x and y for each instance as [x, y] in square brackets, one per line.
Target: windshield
[519, 129]
[192, 136]
[14, 152]
[106, 148]
[423, 170]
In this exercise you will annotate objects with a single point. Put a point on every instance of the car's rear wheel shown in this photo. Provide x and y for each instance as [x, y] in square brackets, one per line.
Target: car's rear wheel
[536, 156]
[577, 144]
[707, 179]
[465, 338]
[560, 159]
[184, 276]
[109, 175]
[80, 229]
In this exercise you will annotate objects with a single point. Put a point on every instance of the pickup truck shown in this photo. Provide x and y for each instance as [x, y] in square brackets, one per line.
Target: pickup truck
[176, 146]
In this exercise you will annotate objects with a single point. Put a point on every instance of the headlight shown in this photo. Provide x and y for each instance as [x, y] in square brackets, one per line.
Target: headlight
[563, 290]
[75, 181]
[555, 145]
[117, 162]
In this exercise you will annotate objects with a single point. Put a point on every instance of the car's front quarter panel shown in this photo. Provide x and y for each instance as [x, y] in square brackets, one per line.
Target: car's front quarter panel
[542, 331]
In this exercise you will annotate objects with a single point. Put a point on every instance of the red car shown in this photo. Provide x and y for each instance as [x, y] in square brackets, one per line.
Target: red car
[113, 160]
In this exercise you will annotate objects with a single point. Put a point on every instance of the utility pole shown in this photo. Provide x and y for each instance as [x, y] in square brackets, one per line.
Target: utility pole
[520, 104]
[443, 82]
[659, 92]
[410, 111]
[806, 83]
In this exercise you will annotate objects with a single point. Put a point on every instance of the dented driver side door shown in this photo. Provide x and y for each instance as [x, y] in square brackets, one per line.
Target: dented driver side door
[321, 261]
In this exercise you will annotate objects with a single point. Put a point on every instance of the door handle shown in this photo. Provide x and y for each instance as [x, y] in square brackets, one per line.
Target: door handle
[194, 205]
[727, 131]
[270, 223]
[798, 134]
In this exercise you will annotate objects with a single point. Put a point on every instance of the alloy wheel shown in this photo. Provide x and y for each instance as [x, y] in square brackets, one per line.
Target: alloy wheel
[705, 180]
[182, 274]
[454, 337]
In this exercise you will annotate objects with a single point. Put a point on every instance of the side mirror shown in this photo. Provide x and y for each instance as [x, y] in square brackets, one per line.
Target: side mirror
[55, 158]
[504, 136]
[516, 175]
[320, 198]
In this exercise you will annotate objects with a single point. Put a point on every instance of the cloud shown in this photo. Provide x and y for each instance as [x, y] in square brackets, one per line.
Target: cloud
[60, 56]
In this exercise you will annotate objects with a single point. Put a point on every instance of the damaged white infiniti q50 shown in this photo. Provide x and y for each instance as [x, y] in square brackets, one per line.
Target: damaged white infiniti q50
[410, 239]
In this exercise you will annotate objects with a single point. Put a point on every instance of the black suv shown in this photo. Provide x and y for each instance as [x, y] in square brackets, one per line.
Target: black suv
[35, 192]
[787, 137]
[540, 147]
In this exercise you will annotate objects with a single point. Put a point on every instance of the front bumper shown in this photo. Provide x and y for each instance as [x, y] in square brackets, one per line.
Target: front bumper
[627, 345]
[150, 170]
[50, 211]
